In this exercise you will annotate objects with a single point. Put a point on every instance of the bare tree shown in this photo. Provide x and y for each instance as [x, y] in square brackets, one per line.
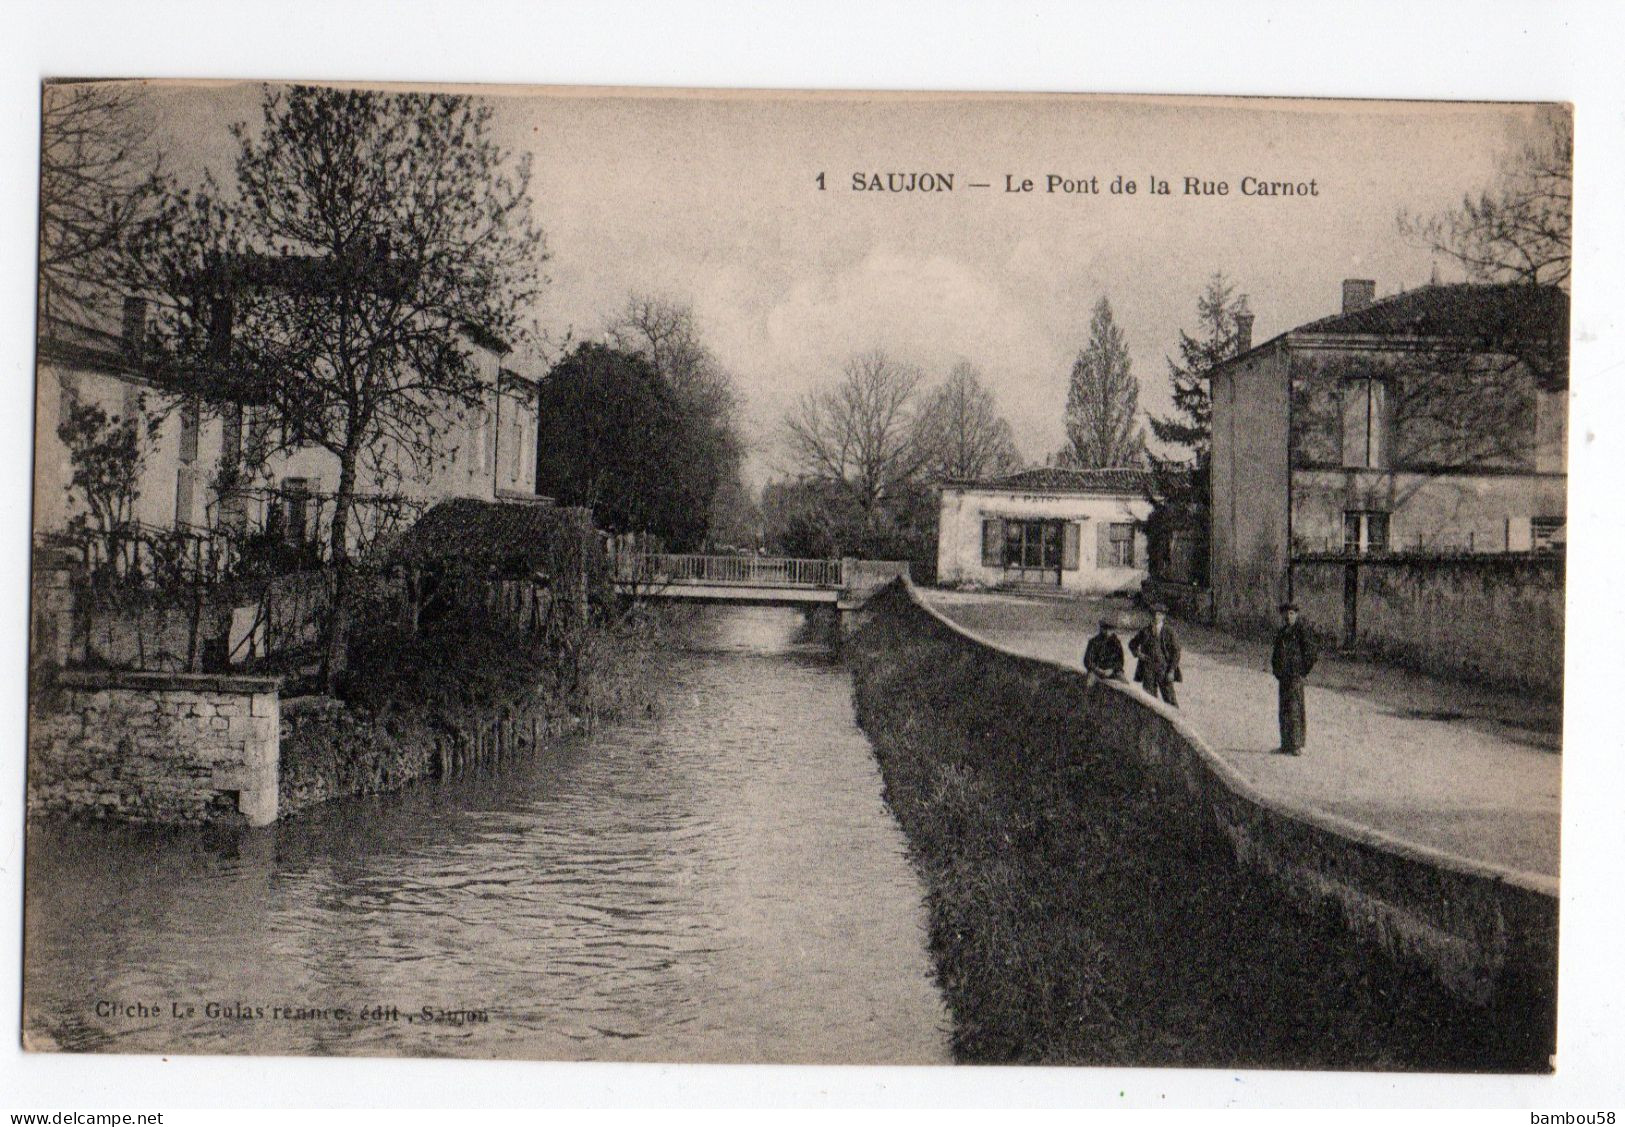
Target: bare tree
[99, 180]
[962, 432]
[860, 435]
[1103, 400]
[1519, 229]
[665, 333]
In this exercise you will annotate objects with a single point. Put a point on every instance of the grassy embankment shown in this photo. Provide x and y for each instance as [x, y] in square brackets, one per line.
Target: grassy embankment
[1073, 921]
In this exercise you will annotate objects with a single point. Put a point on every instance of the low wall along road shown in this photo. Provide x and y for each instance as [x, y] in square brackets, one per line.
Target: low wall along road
[1482, 932]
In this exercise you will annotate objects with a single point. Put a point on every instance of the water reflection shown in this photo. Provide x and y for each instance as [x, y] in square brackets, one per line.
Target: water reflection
[721, 882]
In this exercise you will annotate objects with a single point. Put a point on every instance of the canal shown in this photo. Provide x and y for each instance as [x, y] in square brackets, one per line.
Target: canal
[719, 882]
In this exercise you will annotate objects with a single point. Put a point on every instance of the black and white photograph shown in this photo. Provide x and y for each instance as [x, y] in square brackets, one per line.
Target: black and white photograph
[800, 578]
[673, 575]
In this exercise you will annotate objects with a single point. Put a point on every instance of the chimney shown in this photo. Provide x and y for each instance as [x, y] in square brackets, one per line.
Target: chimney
[134, 327]
[1358, 293]
[1244, 326]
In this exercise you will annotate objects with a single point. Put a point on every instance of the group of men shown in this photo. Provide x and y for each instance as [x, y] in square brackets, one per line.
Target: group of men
[1156, 652]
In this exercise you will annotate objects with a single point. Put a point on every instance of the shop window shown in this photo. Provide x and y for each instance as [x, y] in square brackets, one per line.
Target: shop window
[1032, 544]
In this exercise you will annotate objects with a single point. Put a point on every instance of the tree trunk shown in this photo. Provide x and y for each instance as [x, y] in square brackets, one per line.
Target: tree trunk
[336, 658]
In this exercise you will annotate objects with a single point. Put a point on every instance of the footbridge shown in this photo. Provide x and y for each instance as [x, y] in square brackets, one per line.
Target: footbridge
[845, 584]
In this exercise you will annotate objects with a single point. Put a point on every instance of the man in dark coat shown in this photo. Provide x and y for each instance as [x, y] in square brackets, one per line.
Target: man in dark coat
[1291, 660]
[1103, 656]
[1158, 652]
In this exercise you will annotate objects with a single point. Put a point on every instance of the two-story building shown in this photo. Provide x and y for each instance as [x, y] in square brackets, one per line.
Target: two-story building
[1432, 422]
[486, 452]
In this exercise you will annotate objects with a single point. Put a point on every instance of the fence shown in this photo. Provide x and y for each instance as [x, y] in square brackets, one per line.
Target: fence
[174, 600]
[1468, 543]
[143, 556]
[749, 571]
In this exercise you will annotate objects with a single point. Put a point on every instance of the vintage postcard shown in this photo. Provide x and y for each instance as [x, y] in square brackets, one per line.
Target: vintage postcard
[810, 578]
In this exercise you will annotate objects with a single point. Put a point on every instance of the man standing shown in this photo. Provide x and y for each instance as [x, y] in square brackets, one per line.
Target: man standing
[1158, 652]
[1291, 660]
[1103, 656]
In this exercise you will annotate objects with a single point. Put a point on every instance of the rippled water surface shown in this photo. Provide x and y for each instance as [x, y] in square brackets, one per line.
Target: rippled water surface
[720, 883]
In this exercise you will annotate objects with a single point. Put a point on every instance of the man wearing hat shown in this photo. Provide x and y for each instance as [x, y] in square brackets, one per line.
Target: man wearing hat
[1291, 660]
[1103, 656]
[1158, 652]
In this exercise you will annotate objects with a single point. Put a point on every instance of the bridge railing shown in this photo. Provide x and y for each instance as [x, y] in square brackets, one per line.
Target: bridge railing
[742, 571]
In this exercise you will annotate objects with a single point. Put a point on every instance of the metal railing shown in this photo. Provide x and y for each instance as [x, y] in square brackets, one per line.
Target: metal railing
[139, 555]
[736, 571]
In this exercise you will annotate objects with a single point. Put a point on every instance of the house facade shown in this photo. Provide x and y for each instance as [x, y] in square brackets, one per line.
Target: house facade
[1417, 425]
[486, 452]
[1077, 531]
[98, 366]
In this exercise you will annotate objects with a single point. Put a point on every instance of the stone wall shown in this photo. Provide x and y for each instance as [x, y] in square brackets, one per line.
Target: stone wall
[1497, 619]
[154, 747]
[1487, 935]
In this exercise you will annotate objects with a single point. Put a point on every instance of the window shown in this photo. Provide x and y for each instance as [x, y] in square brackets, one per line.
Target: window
[1032, 543]
[1365, 531]
[1117, 545]
[1547, 534]
[1364, 422]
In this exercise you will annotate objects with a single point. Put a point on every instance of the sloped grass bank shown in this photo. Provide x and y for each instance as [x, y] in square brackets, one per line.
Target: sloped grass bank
[1074, 921]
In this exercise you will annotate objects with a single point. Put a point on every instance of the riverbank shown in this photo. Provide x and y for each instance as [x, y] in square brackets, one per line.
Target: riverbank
[1074, 921]
[715, 881]
[470, 688]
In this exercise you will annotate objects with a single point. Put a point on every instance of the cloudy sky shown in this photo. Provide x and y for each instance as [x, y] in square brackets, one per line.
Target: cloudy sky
[712, 200]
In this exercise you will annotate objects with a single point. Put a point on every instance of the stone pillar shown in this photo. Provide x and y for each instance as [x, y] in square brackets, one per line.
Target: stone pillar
[52, 625]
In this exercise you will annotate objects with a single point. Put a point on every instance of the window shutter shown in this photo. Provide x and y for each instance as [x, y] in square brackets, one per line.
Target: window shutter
[1103, 545]
[1520, 534]
[992, 542]
[185, 490]
[191, 419]
[1071, 534]
[1356, 422]
[231, 434]
[130, 404]
[1377, 436]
